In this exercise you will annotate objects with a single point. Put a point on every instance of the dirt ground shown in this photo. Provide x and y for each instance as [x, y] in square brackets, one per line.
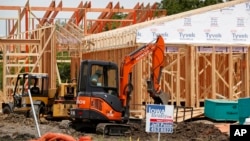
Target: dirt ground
[15, 127]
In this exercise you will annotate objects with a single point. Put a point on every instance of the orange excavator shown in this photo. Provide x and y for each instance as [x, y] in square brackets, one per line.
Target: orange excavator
[103, 93]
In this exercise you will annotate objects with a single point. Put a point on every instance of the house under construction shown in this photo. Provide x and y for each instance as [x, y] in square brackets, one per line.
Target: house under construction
[195, 69]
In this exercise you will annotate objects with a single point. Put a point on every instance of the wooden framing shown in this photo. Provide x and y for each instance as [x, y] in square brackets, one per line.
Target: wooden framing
[40, 58]
[79, 15]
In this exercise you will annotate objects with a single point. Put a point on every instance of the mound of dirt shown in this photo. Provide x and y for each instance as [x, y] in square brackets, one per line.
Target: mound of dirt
[185, 131]
[18, 127]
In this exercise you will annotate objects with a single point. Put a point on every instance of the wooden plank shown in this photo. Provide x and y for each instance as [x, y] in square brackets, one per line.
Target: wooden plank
[71, 19]
[22, 54]
[230, 74]
[247, 75]
[197, 112]
[70, 9]
[178, 95]
[187, 73]
[20, 41]
[10, 7]
[52, 18]
[95, 26]
[197, 84]
[191, 96]
[47, 14]
[213, 76]
[18, 23]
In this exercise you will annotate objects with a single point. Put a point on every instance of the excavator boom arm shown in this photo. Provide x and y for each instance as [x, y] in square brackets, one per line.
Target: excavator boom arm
[157, 50]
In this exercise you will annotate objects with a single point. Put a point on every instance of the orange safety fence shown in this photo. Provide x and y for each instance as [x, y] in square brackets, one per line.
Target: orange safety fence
[55, 137]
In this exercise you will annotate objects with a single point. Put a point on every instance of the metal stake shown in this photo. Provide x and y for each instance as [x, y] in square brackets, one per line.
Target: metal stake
[159, 136]
[34, 114]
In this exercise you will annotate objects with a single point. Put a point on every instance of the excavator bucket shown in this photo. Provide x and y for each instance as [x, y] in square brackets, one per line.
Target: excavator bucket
[160, 98]
[164, 97]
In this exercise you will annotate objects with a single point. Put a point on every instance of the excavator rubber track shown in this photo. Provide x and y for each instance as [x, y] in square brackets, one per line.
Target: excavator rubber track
[113, 129]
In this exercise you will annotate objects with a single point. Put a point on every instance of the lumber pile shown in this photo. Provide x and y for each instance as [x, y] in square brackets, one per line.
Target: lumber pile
[187, 113]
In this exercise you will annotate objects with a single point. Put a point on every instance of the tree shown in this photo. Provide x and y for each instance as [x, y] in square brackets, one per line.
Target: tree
[64, 71]
[178, 6]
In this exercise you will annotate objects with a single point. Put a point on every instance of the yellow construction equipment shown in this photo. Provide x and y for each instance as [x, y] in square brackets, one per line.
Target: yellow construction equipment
[50, 103]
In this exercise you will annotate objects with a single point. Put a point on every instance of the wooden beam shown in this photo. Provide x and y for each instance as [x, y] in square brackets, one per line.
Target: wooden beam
[10, 7]
[142, 15]
[22, 54]
[130, 15]
[109, 16]
[20, 41]
[247, 75]
[21, 65]
[70, 9]
[213, 73]
[178, 86]
[101, 16]
[82, 13]
[192, 94]
[44, 47]
[77, 11]
[47, 13]
[197, 84]
[21, 14]
[230, 74]
[55, 13]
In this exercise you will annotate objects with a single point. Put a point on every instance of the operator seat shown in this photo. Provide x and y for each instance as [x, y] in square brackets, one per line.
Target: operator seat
[95, 78]
[35, 90]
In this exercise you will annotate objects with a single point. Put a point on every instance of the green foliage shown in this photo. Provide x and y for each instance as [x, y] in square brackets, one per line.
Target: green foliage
[178, 6]
[64, 70]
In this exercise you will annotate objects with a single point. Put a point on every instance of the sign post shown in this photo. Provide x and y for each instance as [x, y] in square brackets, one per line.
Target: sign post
[159, 118]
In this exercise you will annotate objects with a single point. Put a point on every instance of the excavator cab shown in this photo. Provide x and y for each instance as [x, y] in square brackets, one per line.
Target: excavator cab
[98, 101]
[97, 93]
[98, 77]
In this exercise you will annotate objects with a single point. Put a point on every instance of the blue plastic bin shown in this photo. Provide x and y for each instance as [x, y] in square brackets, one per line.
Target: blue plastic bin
[244, 109]
[221, 110]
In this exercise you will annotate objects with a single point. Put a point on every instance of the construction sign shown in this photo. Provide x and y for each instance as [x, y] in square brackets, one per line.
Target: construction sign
[159, 118]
